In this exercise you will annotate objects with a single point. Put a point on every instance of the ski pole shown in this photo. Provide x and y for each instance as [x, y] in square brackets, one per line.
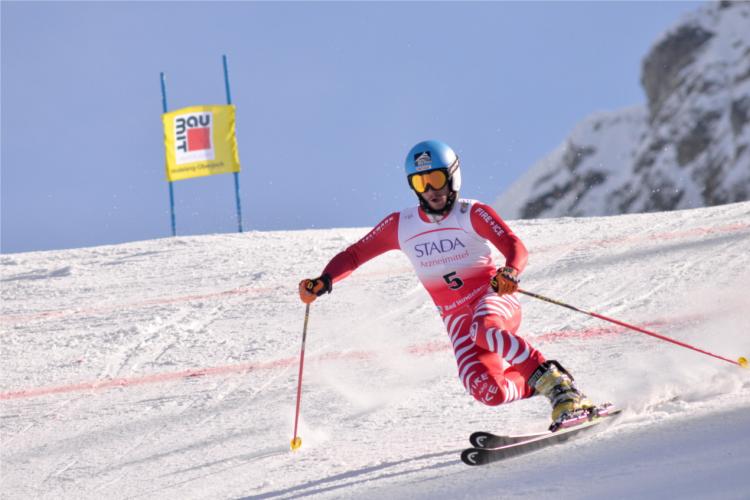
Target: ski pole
[296, 440]
[741, 361]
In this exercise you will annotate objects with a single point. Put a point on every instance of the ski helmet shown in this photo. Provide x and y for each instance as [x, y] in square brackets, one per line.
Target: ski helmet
[434, 155]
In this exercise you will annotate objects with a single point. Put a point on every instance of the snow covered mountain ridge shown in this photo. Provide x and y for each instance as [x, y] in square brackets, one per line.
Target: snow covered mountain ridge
[689, 147]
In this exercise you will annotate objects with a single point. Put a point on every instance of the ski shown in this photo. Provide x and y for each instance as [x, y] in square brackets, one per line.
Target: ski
[494, 447]
[482, 439]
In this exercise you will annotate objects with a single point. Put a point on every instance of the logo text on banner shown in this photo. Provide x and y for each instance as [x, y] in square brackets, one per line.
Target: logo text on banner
[199, 141]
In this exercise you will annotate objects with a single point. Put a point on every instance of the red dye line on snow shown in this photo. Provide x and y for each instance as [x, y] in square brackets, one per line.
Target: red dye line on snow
[426, 348]
[148, 379]
[125, 382]
[590, 333]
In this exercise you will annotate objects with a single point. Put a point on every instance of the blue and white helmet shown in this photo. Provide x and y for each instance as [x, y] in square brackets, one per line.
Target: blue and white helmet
[435, 155]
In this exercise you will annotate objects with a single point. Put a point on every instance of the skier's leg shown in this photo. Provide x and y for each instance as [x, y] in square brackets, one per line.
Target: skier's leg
[484, 374]
[495, 320]
[495, 382]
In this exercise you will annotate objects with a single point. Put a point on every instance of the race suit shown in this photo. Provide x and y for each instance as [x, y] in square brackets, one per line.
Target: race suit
[452, 258]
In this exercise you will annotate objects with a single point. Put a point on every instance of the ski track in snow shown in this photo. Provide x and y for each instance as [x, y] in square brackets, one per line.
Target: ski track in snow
[168, 368]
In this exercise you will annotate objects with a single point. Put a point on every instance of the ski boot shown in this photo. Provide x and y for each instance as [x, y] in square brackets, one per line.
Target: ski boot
[554, 382]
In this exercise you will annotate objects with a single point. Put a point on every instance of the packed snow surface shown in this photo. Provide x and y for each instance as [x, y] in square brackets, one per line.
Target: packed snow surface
[168, 368]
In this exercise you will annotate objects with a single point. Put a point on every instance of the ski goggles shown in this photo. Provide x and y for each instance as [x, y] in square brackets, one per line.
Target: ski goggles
[436, 179]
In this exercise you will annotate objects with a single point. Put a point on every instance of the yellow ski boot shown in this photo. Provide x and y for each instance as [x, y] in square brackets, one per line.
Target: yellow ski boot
[554, 382]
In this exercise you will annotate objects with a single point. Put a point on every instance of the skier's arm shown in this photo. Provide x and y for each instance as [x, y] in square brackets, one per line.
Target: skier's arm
[380, 239]
[490, 226]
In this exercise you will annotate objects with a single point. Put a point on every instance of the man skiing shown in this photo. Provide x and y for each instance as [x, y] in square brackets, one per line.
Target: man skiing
[447, 240]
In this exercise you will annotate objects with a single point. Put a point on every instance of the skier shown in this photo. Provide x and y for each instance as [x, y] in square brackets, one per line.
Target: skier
[447, 240]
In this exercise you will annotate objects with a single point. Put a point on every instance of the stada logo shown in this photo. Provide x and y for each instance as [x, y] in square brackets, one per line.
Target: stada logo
[440, 247]
[193, 132]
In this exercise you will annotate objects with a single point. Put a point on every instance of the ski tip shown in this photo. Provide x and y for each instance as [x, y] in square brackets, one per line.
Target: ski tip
[742, 361]
[479, 439]
[472, 456]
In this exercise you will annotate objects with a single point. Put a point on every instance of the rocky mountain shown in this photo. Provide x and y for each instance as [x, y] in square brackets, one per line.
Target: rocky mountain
[688, 147]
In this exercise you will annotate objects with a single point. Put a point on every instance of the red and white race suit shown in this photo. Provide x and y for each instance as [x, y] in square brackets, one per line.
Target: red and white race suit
[452, 258]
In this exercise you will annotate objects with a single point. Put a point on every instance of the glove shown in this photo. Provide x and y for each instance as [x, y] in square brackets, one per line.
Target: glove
[311, 289]
[505, 281]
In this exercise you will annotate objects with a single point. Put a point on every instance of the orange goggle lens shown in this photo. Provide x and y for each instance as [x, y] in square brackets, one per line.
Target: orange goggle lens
[436, 179]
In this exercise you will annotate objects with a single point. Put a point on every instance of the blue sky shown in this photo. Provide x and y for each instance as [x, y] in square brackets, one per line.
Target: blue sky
[330, 97]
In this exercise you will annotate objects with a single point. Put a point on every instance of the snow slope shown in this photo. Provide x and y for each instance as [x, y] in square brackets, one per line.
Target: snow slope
[168, 368]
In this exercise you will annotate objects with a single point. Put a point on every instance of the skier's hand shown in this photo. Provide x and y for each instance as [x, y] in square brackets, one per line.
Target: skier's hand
[311, 289]
[505, 281]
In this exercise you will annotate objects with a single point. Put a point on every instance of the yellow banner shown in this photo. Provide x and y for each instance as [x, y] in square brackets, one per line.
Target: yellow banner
[199, 141]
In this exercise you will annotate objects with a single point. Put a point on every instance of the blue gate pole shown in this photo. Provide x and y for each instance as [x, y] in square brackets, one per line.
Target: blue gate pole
[171, 189]
[236, 174]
